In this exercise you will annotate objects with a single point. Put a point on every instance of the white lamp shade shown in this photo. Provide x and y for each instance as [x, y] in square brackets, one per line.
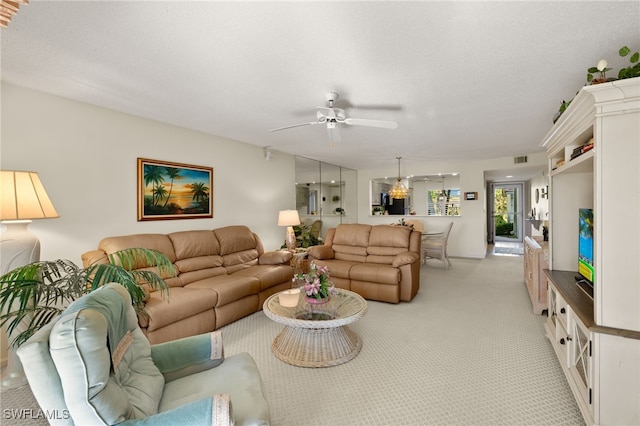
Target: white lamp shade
[23, 197]
[288, 218]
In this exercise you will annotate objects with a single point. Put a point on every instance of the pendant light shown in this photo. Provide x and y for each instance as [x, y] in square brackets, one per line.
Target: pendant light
[398, 191]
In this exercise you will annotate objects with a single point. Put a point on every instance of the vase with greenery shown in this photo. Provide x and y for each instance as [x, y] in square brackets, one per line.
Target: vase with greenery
[33, 295]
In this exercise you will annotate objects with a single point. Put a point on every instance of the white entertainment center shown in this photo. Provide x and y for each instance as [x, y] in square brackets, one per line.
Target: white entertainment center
[597, 340]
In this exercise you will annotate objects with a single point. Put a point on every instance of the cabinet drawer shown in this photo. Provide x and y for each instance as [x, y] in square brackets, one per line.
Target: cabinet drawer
[562, 344]
[562, 308]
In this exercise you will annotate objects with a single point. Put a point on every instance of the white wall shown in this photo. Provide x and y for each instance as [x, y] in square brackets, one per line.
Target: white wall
[87, 158]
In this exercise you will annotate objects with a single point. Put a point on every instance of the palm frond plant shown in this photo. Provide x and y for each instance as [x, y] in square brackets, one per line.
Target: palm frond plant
[34, 294]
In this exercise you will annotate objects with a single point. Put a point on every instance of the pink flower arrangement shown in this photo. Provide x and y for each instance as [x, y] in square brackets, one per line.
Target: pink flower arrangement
[316, 283]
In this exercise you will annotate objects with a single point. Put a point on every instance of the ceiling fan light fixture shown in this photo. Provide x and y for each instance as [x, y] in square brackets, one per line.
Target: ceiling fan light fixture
[332, 117]
[398, 191]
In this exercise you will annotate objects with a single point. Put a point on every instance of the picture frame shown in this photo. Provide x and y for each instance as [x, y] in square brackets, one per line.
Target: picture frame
[470, 195]
[168, 190]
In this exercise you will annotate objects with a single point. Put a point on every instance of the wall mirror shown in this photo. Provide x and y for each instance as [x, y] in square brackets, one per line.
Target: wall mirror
[429, 195]
[325, 192]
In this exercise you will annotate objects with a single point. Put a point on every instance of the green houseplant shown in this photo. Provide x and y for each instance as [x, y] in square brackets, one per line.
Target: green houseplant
[34, 294]
[632, 70]
[304, 237]
[597, 74]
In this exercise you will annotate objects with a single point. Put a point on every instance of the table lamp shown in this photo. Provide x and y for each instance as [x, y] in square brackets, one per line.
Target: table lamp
[289, 218]
[22, 199]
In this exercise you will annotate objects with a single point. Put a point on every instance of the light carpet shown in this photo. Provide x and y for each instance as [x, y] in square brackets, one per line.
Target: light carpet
[466, 351]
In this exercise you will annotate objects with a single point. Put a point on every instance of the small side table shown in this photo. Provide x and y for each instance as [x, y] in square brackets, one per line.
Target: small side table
[300, 262]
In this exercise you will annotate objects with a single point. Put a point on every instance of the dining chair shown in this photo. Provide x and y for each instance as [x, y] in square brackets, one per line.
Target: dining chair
[434, 246]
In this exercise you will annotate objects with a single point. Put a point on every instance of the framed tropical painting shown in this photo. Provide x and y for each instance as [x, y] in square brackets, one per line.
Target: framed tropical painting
[169, 190]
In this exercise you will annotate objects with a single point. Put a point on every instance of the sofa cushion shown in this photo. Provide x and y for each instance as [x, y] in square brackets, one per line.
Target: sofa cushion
[350, 254]
[198, 263]
[168, 276]
[229, 288]
[350, 242]
[389, 236]
[243, 259]
[276, 257]
[201, 274]
[193, 244]
[237, 376]
[235, 239]
[387, 241]
[405, 258]
[384, 274]
[159, 242]
[352, 234]
[321, 252]
[337, 268]
[269, 275]
[181, 303]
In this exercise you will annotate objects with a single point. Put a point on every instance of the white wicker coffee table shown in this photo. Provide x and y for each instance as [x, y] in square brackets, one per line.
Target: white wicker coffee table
[317, 335]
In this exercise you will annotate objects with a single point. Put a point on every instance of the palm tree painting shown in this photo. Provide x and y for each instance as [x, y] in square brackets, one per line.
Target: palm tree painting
[169, 190]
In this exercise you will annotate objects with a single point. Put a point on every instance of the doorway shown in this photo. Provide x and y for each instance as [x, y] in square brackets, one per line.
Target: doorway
[507, 212]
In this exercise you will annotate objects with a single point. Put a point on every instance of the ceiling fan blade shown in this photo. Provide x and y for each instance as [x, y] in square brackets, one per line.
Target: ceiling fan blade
[372, 123]
[311, 123]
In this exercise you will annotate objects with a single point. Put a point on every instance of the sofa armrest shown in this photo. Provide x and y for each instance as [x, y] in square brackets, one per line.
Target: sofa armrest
[189, 355]
[321, 252]
[94, 257]
[214, 411]
[405, 258]
[277, 257]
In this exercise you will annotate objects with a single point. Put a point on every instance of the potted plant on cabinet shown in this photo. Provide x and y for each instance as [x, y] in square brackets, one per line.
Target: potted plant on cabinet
[632, 70]
[34, 294]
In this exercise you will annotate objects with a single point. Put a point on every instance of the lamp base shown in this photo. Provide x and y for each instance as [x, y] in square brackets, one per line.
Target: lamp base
[290, 239]
[18, 247]
[13, 375]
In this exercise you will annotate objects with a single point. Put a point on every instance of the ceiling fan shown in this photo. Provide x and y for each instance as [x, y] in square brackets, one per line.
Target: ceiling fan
[331, 117]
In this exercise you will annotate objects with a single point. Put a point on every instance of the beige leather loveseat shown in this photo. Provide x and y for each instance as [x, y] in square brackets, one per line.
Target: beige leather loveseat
[379, 262]
[223, 275]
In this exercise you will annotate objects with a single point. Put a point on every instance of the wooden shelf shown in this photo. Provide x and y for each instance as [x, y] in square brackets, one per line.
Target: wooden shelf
[581, 304]
[581, 164]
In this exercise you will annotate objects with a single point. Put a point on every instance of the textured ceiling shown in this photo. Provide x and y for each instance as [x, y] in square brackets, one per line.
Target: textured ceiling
[463, 80]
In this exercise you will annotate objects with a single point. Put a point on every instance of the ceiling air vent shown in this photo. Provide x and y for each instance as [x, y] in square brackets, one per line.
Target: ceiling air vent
[520, 160]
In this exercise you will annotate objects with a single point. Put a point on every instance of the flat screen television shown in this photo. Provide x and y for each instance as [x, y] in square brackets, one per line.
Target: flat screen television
[585, 249]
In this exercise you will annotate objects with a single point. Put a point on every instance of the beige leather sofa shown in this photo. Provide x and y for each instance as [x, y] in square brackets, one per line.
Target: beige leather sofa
[380, 262]
[223, 275]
